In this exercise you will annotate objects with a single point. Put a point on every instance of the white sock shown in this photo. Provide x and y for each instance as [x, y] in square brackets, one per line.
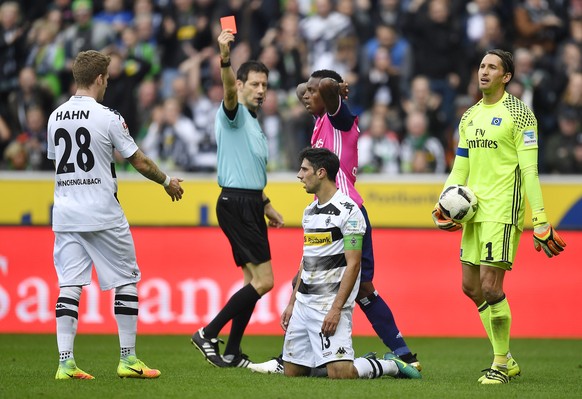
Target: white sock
[375, 368]
[67, 316]
[126, 308]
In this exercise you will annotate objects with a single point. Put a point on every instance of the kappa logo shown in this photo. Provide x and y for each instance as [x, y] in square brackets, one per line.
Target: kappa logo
[349, 206]
[118, 303]
[341, 351]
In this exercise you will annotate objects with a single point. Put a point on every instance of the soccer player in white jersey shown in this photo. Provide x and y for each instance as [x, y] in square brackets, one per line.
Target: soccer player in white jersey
[89, 224]
[497, 157]
[318, 319]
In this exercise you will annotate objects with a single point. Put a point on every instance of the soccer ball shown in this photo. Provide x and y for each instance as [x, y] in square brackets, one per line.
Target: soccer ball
[458, 203]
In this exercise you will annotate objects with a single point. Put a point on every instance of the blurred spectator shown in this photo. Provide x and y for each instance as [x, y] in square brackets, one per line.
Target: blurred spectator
[561, 148]
[254, 18]
[172, 139]
[270, 57]
[147, 21]
[346, 63]
[35, 140]
[387, 12]
[420, 151]
[292, 52]
[538, 27]
[15, 156]
[147, 98]
[320, 31]
[46, 56]
[360, 14]
[436, 38]
[115, 15]
[400, 52]
[12, 48]
[423, 99]
[381, 83]
[29, 93]
[5, 137]
[539, 91]
[572, 96]
[125, 76]
[134, 48]
[271, 121]
[379, 148]
[493, 36]
[203, 101]
[184, 32]
[84, 34]
[61, 11]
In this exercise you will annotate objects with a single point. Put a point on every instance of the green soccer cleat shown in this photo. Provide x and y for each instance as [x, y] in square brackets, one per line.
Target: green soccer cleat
[405, 370]
[495, 375]
[132, 367]
[70, 371]
[513, 369]
[369, 355]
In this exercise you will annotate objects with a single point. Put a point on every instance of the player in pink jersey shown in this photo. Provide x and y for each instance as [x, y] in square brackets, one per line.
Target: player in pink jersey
[337, 130]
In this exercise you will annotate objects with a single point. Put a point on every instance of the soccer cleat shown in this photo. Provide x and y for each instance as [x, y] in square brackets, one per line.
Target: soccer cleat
[132, 367]
[70, 371]
[209, 348]
[408, 358]
[240, 360]
[273, 366]
[370, 355]
[405, 370]
[495, 375]
[513, 369]
[412, 360]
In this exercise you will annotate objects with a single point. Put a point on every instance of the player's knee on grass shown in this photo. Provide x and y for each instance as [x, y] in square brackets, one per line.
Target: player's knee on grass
[341, 370]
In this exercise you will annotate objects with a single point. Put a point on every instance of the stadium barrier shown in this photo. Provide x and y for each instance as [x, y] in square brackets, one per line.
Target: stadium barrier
[394, 202]
[188, 275]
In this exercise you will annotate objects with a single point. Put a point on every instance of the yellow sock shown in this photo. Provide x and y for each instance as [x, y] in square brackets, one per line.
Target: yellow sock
[485, 315]
[500, 330]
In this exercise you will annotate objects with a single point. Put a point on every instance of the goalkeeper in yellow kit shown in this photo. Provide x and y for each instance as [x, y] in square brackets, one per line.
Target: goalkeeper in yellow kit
[497, 159]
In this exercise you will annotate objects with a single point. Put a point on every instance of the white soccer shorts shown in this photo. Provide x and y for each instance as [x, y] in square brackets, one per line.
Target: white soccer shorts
[111, 251]
[306, 346]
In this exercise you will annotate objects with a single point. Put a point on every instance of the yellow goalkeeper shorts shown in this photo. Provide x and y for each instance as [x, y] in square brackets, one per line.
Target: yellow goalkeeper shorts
[491, 243]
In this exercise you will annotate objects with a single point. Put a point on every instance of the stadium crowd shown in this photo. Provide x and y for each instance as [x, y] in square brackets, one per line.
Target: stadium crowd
[410, 66]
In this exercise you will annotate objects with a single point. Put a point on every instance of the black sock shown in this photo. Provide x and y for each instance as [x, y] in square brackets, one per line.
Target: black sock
[242, 300]
[237, 330]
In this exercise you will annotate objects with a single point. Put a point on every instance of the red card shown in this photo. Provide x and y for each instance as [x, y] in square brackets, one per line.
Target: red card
[228, 23]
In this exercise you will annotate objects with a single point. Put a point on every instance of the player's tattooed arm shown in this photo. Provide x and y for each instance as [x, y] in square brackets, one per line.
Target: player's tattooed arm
[144, 165]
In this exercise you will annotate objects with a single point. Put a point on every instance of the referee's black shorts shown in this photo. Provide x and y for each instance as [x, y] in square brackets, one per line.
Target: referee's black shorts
[241, 217]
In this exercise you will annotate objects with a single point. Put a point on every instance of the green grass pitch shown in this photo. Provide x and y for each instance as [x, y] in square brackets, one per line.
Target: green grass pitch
[550, 369]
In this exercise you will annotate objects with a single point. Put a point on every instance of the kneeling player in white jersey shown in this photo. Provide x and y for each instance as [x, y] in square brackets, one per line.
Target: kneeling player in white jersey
[318, 319]
[89, 224]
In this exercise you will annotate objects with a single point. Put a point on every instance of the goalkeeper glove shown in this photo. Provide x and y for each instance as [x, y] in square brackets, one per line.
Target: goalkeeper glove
[546, 238]
[443, 222]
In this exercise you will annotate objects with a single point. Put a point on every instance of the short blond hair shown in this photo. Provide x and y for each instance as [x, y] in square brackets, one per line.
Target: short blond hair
[88, 66]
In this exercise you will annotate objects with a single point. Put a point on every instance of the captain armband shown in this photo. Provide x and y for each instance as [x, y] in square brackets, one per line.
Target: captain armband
[353, 242]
